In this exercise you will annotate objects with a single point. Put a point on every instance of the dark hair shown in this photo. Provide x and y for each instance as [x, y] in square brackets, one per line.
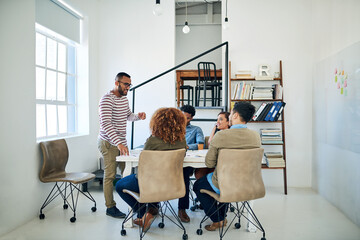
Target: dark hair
[245, 109]
[188, 109]
[169, 124]
[120, 75]
[227, 114]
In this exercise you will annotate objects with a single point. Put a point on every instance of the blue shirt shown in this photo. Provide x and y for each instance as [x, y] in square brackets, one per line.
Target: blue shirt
[194, 136]
[209, 177]
[238, 126]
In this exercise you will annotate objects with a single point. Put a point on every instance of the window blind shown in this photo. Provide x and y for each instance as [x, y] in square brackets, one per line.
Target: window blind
[58, 19]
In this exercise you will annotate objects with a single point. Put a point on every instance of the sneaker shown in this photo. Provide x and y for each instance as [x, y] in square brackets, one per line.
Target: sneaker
[115, 212]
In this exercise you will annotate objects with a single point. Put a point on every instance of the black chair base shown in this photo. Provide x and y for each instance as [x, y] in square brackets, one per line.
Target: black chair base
[162, 210]
[238, 213]
[61, 190]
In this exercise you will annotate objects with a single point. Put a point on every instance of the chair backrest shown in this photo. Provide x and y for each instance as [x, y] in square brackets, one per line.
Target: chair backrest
[239, 174]
[160, 175]
[204, 72]
[55, 157]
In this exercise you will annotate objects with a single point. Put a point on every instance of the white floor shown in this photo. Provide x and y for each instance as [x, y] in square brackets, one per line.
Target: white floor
[302, 214]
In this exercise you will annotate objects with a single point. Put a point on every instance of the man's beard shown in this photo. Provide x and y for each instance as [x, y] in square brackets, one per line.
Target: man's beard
[121, 92]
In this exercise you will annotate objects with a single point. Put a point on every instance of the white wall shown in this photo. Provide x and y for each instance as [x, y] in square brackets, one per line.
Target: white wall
[133, 40]
[20, 162]
[266, 32]
[336, 171]
[200, 39]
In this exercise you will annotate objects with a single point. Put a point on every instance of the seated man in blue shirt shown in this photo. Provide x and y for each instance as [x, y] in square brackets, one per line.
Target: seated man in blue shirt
[194, 136]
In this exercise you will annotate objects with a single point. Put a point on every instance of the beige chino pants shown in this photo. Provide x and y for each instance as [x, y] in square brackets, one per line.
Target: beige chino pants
[109, 153]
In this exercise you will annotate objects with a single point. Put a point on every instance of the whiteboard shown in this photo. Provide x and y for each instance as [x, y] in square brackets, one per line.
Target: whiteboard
[336, 99]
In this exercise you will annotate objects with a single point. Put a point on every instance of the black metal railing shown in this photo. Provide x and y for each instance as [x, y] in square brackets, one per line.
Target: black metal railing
[226, 44]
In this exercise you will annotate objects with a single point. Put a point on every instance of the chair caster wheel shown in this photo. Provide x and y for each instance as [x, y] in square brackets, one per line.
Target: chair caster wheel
[193, 208]
[161, 225]
[65, 206]
[199, 231]
[123, 232]
[93, 209]
[232, 209]
[185, 236]
[42, 216]
[237, 225]
[73, 219]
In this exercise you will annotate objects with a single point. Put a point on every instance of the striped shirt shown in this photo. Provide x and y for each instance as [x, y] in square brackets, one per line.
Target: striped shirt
[113, 113]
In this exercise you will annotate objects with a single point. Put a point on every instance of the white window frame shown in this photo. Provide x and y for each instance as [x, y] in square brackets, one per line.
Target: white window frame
[59, 39]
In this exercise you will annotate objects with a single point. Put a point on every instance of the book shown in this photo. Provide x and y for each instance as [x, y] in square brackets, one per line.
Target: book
[243, 90]
[262, 106]
[239, 90]
[243, 74]
[263, 113]
[269, 114]
[273, 154]
[276, 110]
[271, 136]
[279, 112]
[277, 91]
[264, 78]
[234, 91]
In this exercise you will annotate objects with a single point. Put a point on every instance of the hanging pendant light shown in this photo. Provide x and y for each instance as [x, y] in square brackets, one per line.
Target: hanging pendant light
[186, 28]
[157, 10]
[226, 24]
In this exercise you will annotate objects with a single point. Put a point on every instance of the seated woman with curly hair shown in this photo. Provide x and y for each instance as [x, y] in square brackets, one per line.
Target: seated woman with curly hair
[168, 127]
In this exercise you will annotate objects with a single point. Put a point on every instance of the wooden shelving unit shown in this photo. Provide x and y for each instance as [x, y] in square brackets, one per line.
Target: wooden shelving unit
[281, 122]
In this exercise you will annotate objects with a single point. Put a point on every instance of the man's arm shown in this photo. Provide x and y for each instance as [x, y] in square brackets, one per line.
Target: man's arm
[130, 115]
[199, 136]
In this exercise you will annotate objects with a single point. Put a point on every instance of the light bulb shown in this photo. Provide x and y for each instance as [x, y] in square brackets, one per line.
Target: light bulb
[226, 24]
[157, 10]
[186, 28]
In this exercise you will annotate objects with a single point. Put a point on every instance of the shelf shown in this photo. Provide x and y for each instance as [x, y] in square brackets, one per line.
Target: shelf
[256, 100]
[279, 123]
[253, 79]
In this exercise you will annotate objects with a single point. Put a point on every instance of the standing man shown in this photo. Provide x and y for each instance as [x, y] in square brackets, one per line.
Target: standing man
[237, 137]
[194, 136]
[114, 111]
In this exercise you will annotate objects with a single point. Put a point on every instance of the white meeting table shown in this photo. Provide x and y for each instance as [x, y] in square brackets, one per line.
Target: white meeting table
[193, 158]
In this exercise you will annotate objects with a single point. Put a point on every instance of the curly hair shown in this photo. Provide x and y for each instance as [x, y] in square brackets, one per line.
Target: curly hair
[169, 124]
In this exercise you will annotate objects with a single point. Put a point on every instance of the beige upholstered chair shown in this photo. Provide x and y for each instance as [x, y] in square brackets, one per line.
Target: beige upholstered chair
[240, 180]
[55, 157]
[160, 175]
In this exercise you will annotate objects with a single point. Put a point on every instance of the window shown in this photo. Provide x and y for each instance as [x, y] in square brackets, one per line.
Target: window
[56, 82]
